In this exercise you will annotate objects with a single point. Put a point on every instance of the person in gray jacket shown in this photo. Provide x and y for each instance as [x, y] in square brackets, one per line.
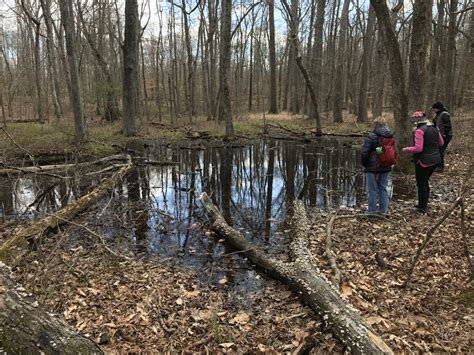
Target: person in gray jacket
[442, 121]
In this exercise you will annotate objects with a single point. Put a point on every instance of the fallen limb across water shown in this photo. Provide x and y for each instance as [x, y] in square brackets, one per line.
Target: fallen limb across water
[45, 168]
[304, 278]
[25, 328]
[13, 247]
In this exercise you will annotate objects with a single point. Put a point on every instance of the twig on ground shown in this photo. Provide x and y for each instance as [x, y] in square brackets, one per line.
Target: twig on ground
[101, 238]
[429, 234]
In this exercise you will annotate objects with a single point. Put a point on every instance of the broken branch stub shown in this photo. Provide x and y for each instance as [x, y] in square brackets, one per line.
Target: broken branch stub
[304, 278]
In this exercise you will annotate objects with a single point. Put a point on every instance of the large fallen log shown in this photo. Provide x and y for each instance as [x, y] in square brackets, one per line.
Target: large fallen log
[304, 278]
[25, 328]
[12, 248]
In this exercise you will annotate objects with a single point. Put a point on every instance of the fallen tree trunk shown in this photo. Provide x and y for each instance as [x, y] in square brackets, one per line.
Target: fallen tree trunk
[45, 168]
[304, 278]
[12, 247]
[25, 328]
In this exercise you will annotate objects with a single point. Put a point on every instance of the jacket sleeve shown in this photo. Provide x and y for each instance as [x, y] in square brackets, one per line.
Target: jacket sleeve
[440, 139]
[419, 140]
[367, 148]
[440, 123]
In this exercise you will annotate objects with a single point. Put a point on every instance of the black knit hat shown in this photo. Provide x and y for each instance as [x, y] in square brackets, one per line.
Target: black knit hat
[438, 105]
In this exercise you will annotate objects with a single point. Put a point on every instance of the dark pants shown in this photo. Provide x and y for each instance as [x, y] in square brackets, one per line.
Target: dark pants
[442, 149]
[422, 183]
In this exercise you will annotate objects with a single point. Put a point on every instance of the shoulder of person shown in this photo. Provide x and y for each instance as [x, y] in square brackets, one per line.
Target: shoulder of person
[446, 114]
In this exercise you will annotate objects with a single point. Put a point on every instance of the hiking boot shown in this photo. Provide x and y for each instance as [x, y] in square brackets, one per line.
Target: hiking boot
[421, 210]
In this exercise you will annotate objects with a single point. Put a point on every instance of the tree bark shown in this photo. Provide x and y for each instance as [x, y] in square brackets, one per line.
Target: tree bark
[400, 98]
[318, 48]
[225, 113]
[75, 94]
[28, 329]
[272, 57]
[304, 279]
[365, 73]
[341, 54]
[419, 49]
[130, 68]
[13, 247]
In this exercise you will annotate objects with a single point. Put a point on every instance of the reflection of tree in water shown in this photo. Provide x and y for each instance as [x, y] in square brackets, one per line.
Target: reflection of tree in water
[137, 187]
[253, 185]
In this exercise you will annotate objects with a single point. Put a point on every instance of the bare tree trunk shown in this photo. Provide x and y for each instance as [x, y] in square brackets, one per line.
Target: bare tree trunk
[341, 57]
[111, 105]
[294, 84]
[75, 92]
[400, 99]
[318, 48]
[36, 25]
[365, 73]
[145, 90]
[272, 56]
[450, 56]
[130, 68]
[190, 64]
[225, 113]
[212, 11]
[46, 7]
[419, 49]
[435, 58]
[379, 77]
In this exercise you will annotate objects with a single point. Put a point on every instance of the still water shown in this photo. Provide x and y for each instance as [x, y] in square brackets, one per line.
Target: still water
[156, 211]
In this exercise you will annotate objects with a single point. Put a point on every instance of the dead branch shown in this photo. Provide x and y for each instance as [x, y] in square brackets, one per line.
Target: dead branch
[32, 158]
[45, 168]
[429, 234]
[14, 247]
[304, 278]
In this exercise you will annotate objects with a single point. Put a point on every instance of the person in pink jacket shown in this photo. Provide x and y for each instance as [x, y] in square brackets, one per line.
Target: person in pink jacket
[426, 156]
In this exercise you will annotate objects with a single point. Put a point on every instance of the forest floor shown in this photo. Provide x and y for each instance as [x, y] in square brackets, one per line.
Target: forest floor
[153, 305]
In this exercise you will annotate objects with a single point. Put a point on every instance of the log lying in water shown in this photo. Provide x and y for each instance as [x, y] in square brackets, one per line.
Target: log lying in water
[12, 248]
[25, 328]
[46, 168]
[304, 278]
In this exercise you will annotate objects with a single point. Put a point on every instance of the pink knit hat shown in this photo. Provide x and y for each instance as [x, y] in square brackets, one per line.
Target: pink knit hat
[419, 117]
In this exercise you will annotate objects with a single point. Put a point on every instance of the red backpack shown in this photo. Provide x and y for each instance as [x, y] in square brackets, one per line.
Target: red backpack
[388, 157]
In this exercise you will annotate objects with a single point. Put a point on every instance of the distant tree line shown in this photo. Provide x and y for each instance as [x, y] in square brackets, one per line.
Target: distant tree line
[175, 61]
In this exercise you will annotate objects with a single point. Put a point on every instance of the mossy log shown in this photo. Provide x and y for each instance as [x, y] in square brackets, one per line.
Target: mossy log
[13, 247]
[25, 328]
[305, 279]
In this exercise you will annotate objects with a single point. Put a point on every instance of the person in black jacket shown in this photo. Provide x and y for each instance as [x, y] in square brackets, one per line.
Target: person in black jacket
[426, 156]
[376, 176]
[442, 121]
